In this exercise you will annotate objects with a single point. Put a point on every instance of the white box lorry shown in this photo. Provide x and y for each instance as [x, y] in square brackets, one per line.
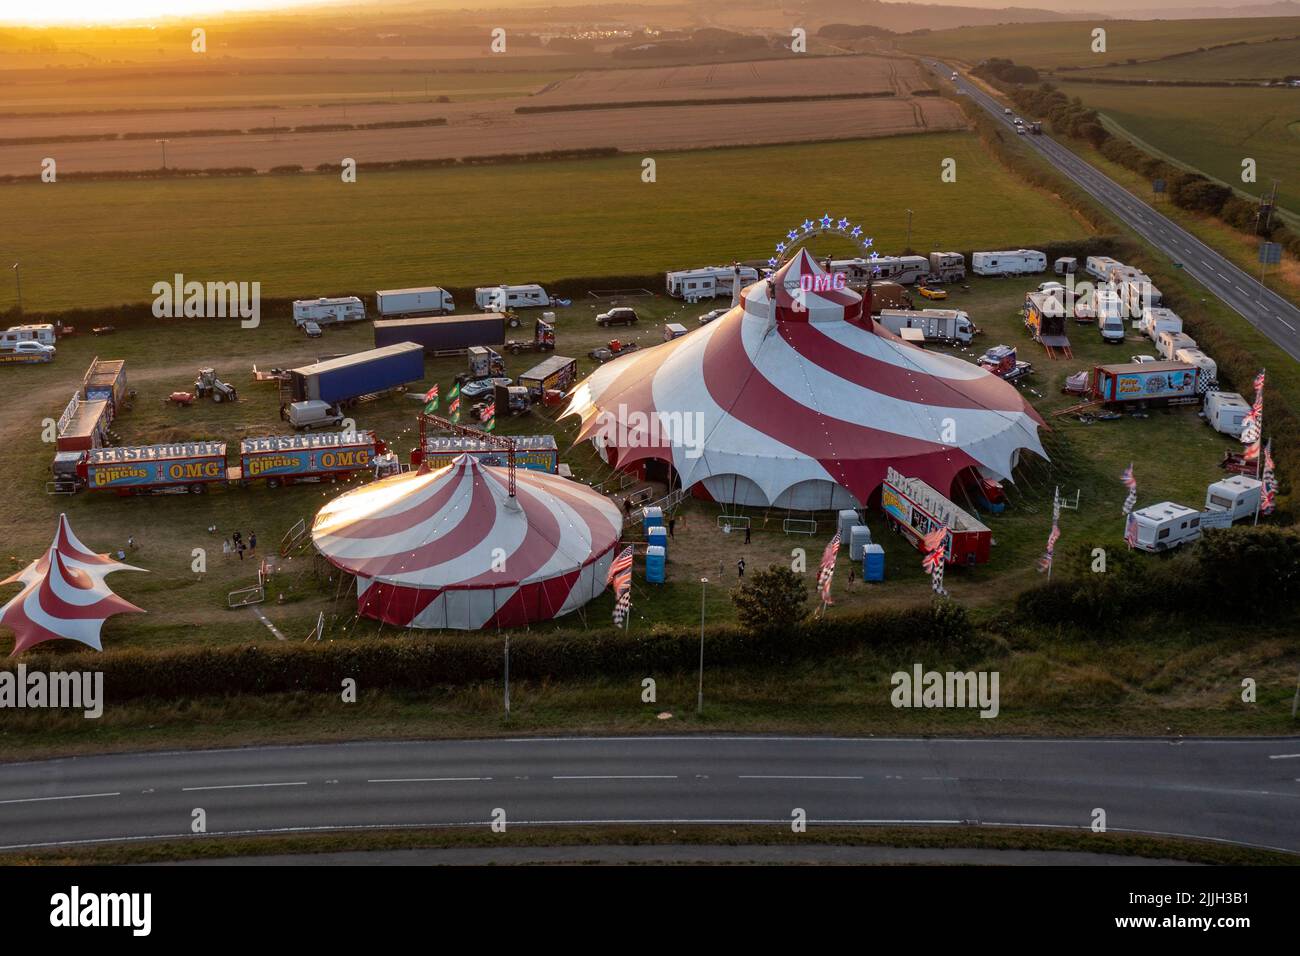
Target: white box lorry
[426, 300]
[935, 325]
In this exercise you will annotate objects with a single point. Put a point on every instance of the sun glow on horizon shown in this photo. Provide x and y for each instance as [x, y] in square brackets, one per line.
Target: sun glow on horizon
[135, 12]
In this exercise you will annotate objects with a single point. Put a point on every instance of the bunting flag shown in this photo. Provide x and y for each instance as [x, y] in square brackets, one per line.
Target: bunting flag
[1268, 499]
[933, 546]
[828, 568]
[1252, 426]
[453, 401]
[1045, 562]
[1131, 484]
[619, 565]
[431, 400]
[1131, 531]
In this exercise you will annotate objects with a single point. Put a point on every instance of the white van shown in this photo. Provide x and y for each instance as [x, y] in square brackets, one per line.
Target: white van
[313, 413]
[1226, 412]
[1110, 315]
[1166, 525]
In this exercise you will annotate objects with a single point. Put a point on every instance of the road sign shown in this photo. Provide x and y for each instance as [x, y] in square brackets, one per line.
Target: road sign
[1270, 253]
[1157, 185]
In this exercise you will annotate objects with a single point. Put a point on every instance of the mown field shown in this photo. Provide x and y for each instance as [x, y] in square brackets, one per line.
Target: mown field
[95, 244]
[1050, 45]
[1212, 129]
[1246, 60]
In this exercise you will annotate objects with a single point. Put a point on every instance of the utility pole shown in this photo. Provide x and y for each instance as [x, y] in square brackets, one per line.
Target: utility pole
[908, 245]
[163, 143]
[507, 677]
[699, 695]
[18, 277]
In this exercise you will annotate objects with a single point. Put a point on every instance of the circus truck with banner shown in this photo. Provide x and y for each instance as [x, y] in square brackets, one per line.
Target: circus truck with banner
[195, 466]
[915, 510]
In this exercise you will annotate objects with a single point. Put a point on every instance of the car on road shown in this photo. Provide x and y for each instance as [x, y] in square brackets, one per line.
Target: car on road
[1007, 110]
[712, 314]
[954, 76]
[311, 330]
[619, 316]
[1020, 131]
[932, 293]
[482, 386]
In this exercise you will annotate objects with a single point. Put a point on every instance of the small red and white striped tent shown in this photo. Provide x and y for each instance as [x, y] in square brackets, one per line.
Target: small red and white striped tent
[797, 399]
[64, 595]
[450, 548]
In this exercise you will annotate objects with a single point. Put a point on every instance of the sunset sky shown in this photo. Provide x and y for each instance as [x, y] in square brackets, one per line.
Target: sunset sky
[123, 11]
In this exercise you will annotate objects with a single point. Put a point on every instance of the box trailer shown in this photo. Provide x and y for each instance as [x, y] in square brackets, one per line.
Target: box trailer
[534, 452]
[499, 298]
[146, 469]
[1226, 412]
[1099, 266]
[887, 295]
[351, 376]
[1008, 262]
[1065, 265]
[1168, 343]
[286, 459]
[328, 311]
[106, 381]
[949, 266]
[443, 333]
[707, 282]
[1157, 320]
[935, 325]
[43, 333]
[84, 426]
[914, 509]
[1172, 383]
[426, 300]
[1045, 315]
[556, 373]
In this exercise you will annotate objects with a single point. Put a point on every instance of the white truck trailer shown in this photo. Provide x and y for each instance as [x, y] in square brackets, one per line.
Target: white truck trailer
[935, 325]
[1012, 262]
[328, 311]
[426, 300]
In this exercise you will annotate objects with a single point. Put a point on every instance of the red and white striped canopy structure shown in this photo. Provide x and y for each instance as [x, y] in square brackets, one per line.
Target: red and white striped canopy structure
[64, 595]
[449, 547]
[797, 399]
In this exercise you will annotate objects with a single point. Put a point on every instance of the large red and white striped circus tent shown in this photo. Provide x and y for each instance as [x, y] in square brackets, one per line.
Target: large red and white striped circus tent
[449, 547]
[797, 398]
[64, 594]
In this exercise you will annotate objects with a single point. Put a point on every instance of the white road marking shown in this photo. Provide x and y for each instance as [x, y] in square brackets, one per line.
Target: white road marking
[628, 776]
[428, 779]
[1286, 323]
[1283, 756]
[70, 796]
[246, 786]
[791, 776]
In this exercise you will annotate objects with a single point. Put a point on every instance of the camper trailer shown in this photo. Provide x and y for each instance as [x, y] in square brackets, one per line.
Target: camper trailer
[328, 311]
[1168, 344]
[1165, 525]
[1155, 321]
[708, 282]
[1208, 375]
[1099, 266]
[26, 333]
[1226, 412]
[499, 298]
[1008, 262]
[948, 266]
[1237, 495]
[904, 270]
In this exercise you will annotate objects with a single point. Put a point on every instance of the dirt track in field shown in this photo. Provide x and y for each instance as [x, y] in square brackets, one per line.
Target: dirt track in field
[492, 126]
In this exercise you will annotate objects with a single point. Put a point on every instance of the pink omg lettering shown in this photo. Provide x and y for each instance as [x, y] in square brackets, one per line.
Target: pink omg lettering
[822, 282]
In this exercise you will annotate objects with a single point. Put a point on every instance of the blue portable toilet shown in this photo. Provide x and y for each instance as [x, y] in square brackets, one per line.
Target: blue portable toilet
[658, 535]
[653, 516]
[654, 564]
[873, 563]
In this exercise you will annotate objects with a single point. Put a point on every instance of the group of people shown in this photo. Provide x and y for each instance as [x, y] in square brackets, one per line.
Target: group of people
[235, 544]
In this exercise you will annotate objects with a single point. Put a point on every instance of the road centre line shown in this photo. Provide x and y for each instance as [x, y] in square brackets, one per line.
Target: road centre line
[246, 786]
[70, 796]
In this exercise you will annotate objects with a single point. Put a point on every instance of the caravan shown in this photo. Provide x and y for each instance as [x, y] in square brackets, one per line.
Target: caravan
[1008, 263]
[328, 311]
[1165, 525]
[1226, 412]
[9, 339]
[1168, 343]
[1155, 321]
[500, 298]
[708, 282]
[904, 270]
[1099, 266]
[1237, 496]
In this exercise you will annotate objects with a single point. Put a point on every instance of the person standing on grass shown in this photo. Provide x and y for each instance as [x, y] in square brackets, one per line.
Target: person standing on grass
[852, 573]
[225, 546]
[130, 542]
[672, 526]
[746, 534]
[740, 568]
[252, 541]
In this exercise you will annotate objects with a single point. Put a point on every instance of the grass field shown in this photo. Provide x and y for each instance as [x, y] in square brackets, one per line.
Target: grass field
[1213, 129]
[94, 244]
[1254, 60]
[1052, 45]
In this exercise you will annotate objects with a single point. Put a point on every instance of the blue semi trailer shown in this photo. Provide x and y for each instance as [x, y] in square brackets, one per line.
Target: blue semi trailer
[363, 373]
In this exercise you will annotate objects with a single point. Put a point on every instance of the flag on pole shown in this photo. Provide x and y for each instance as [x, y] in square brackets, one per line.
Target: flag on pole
[1268, 500]
[1045, 562]
[621, 564]
[431, 400]
[1131, 484]
[623, 605]
[933, 546]
[1131, 531]
[620, 575]
[1252, 427]
[828, 568]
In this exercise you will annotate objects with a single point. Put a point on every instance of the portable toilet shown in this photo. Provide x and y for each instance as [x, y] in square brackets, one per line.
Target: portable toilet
[658, 535]
[654, 564]
[873, 563]
[847, 519]
[859, 538]
[651, 517]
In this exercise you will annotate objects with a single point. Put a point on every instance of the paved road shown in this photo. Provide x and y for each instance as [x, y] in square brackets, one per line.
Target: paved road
[1273, 315]
[1242, 791]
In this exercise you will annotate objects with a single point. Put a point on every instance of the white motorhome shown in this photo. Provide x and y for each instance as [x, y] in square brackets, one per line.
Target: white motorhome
[43, 334]
[1209, 369]
[1238, 495]
[901, 269]
[1008, 262]
[1168, 343]
[1109, 310]
[1226, 412]
[499, 298]
[949, 266]
[935, 325]
[708, 282]
[1165, 525]
[1155, 321]
[426, 300]
[1099, 266]
[324, 311]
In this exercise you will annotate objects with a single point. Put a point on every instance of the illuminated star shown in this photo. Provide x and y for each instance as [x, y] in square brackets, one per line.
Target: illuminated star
[807, 225]
[857, 231]
[826, 221]
[792, 235]
[874, 256]
[780, 247]
[842, 225]
[772, 262]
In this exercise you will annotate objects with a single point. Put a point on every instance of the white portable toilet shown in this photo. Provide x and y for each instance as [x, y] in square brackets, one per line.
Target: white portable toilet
[1238, 495]
[848, 518]
[1226, 412]
[859, 538]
